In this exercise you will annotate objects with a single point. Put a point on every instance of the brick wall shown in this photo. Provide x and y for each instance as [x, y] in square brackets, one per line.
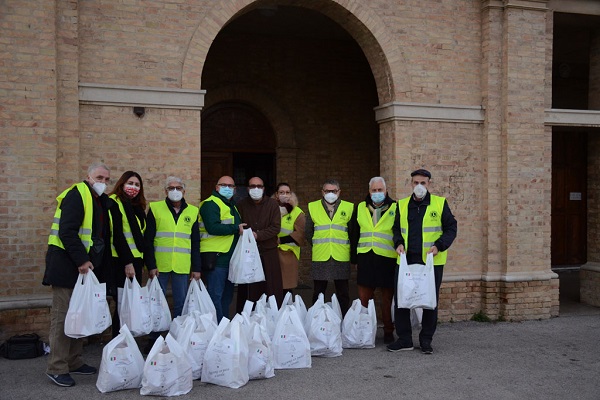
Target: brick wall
[496, 175]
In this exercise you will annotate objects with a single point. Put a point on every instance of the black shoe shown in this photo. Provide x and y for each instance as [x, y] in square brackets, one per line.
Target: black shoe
[399, 346]
[388, 338]
[426, 348]
[84, 370]
[64, 380]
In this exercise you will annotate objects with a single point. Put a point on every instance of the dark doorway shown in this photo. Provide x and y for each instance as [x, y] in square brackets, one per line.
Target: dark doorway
[237, 140]
[569, 198]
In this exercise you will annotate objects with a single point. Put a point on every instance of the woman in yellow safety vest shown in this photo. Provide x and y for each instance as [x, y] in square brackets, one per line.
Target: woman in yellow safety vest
[291, 236]
[128, 220]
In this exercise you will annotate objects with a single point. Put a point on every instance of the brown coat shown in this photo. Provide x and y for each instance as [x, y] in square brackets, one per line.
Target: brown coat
[287, 259]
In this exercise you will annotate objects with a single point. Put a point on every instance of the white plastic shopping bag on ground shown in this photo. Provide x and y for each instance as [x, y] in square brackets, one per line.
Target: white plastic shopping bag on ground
[167, 371]
[323, 328]
[134, 308]
[226, 358]
[194, 337]
[291, 348]
[197, 298]
[260, 352]
[160, 313]
[122, 364]
[416, 284]
[268, 308]
[359, 327]
[88, 312]
[245, 265]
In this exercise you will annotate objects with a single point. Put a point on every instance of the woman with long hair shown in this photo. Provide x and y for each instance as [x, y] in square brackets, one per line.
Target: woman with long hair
[128, 218]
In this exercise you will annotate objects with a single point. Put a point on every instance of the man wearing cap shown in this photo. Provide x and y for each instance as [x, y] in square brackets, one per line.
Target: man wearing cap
[424, 224]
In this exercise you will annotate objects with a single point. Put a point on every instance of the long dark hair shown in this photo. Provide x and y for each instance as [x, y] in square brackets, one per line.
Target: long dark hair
[140, 199]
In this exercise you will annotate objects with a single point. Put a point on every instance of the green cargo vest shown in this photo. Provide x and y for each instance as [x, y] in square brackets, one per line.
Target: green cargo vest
[378, 238]
[287, 227]
[330, 238]
[85, 231]
[432, 226]
[172, 243]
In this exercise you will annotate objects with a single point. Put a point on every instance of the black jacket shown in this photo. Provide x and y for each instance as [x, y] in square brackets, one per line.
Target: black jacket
[62, 264]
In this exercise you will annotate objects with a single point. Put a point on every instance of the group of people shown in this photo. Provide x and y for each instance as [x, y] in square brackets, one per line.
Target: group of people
[177, 241]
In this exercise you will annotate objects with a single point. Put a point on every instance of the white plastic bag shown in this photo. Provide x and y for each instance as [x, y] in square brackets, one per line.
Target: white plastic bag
[226, 358]
[268, 308]
[291, 348]
[160, 313]
[416, 284]
[260, 353]
[134, 309]
[88, 312]
[359, 327]
[167, 371]
[122, 364]
[194, 337]
[197, 298]
[323, 329]
[245, 265]
[416, 316]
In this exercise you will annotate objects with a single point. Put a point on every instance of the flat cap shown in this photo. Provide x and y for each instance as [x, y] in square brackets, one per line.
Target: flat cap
[422, 172]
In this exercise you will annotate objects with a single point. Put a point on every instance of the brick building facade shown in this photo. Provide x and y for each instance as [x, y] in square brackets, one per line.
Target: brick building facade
[477, 91]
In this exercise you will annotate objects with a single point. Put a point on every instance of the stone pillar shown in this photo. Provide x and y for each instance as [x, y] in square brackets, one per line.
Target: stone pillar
[68, 163]
[494, 230]
[528, 286]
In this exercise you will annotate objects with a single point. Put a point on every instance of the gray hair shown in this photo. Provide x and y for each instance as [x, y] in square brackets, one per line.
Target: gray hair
[332, 182]
[96, 165]
[377, 179]
[174, 179]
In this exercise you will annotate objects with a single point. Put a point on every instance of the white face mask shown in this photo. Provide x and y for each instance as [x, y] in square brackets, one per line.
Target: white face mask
[330, 197]
[284, 198]
[99, 188]
[175, 195]
[420, 191]
[256, 193]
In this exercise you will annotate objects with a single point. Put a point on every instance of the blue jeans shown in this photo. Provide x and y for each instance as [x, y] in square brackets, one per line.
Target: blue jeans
[179, 287]
[220, 290]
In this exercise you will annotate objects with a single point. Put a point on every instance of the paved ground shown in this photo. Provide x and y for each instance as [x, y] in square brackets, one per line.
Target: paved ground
[550, 359]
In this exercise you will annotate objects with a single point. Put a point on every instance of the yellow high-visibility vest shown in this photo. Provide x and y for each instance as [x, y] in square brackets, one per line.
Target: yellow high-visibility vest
[85, 231]
[330, 238]
[287, 227]
[213, 243]
[172, 243]
[126, 230]
[432, 226]
[378, 238]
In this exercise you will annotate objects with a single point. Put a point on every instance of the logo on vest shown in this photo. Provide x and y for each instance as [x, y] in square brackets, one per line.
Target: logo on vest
[187, 219]
[433, 214]
[343, 213]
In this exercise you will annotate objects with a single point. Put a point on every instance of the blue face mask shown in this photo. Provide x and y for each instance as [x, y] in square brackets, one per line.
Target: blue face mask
[378, 197]
[226, 192]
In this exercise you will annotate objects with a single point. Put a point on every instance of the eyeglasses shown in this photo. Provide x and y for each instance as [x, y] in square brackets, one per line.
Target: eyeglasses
[178, 188]
[334, 191]
[231, 186]
[255, 186]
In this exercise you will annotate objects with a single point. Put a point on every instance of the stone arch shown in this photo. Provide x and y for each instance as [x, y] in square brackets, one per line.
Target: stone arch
[263, 102]
[370, 32]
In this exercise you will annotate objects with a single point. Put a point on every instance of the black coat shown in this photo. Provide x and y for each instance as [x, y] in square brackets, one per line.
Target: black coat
[62, 264]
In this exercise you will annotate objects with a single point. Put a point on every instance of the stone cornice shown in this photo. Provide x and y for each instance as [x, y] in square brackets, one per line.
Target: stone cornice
[562, 117]
[398, 111]
[119, 95]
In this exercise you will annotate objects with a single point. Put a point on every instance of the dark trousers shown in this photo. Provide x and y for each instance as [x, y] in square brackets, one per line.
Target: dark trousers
[342, 292]
[430, 317]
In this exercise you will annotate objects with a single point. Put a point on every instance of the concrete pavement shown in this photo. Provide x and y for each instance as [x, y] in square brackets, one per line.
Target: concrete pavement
[550, 359]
